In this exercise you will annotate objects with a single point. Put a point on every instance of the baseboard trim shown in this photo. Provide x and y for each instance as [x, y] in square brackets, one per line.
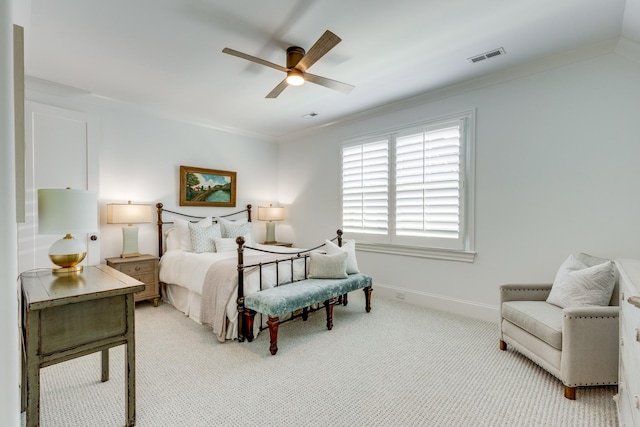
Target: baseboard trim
[439, 302]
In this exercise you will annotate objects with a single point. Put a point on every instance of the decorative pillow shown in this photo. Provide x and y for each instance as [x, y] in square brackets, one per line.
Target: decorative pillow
[183, 231]
[225, 245]
[222, 220]
[202, 237]
[578, 283]
[172, 240]
[348, 246]
[325, 266]
[233, 230]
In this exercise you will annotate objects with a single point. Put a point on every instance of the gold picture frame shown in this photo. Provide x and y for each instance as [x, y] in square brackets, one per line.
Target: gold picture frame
[207, 187]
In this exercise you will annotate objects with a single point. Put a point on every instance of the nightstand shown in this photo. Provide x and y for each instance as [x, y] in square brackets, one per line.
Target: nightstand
[286, 244]
[143, 268]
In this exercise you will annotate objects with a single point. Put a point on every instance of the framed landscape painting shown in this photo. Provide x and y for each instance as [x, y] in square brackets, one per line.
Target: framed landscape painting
[207, 187]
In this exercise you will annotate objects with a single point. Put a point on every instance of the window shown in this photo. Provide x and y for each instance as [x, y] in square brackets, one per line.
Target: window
[410, 190]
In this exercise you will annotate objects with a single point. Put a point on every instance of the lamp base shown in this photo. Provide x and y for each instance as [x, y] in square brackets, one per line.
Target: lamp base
[271, 232]
[132, 255]
[129, 242]
[67, 253]
[67, 270]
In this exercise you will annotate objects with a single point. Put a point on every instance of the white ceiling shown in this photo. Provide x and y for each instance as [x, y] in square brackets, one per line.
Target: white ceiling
[165, 55]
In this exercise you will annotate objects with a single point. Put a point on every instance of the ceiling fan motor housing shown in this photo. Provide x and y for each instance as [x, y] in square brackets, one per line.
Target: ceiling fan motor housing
[294, 55]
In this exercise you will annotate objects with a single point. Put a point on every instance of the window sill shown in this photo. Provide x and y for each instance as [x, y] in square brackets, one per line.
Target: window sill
[413, 251]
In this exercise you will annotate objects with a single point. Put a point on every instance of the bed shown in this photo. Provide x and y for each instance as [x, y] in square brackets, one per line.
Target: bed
[208, 264]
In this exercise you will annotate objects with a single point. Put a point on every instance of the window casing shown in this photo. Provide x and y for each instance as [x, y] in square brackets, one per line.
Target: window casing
[410, 190]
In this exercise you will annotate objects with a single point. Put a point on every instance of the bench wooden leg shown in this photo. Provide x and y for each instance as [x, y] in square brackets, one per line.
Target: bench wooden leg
[503, 345]
[329, 307]
[367, 297]
[249, 316]
[305, 313]
[345, 300]
[273, 323]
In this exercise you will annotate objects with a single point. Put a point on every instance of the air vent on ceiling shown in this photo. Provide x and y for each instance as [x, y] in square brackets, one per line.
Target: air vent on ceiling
[487, 55]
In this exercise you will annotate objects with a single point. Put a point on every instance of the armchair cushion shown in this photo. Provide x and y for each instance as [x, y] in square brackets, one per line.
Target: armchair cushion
[583, 280]
[538, 318]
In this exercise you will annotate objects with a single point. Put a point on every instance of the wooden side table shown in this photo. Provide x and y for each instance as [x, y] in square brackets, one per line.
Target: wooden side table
[71, 315]
[143, 268]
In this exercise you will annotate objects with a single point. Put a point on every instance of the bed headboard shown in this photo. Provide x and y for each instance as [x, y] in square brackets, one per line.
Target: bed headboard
[193, 218]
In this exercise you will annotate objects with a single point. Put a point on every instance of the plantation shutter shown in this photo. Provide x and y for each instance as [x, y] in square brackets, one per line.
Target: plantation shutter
[428, 183]
[365, 188]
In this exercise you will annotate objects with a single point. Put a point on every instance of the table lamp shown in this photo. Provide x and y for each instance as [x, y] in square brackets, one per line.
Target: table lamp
[120, 213]
[270, 214]
[66, 211]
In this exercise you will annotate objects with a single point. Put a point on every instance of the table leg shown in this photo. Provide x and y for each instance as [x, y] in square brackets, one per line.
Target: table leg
[32, 375]
[23, 383]
[105, 365]
[33, 394]
[130, 363]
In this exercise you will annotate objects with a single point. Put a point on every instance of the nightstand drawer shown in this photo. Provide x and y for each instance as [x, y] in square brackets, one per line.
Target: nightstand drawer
[145, 278]
[151, 290]
[137, 269]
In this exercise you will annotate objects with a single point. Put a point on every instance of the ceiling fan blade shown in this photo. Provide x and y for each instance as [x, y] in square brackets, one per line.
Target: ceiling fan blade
[253, 59]
[331, 84]
[324, 44]
[278, 89]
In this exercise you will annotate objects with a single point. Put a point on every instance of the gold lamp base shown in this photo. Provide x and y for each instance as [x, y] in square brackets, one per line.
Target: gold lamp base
[67, 253]
[67, 270]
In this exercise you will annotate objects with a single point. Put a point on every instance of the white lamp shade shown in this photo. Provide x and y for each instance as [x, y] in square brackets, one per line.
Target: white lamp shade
[67, 211]
[270, 213]
[128, 213]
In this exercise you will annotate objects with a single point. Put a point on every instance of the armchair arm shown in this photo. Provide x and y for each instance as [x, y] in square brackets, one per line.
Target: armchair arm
[524, 292]
[589, 345]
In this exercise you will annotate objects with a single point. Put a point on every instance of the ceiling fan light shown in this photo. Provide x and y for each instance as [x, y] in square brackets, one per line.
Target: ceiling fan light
[294, 78]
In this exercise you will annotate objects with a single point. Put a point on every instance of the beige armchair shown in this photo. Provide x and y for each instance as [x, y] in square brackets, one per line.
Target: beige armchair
[577, 345]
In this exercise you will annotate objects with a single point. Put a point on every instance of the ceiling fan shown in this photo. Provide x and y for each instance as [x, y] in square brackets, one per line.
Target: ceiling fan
[297, 64]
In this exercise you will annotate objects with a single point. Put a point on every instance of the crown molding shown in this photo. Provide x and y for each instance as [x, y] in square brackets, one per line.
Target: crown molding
[40, 90]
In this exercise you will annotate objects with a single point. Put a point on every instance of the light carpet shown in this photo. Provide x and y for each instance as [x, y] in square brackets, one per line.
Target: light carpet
[400, 365]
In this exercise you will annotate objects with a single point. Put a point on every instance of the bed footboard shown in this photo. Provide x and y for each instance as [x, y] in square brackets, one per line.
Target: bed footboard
[279, 257]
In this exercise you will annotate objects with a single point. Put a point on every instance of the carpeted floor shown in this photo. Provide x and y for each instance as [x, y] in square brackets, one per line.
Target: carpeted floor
[399, 365]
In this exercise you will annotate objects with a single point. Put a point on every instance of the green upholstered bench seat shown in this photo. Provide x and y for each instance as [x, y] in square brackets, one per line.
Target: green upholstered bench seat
[293, 296]
[300, 295]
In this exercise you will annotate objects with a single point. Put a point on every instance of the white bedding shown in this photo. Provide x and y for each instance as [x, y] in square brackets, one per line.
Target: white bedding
[184, 273]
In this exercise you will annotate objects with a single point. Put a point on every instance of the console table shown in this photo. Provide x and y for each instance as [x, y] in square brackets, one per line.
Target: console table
[65, 316]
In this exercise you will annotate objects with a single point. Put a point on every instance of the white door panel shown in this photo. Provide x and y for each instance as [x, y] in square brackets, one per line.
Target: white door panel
[59, 154]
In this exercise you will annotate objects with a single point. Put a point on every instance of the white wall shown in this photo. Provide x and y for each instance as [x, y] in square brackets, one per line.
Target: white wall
[140, 158]
[141, 154]
[556, 173]
[9, 350]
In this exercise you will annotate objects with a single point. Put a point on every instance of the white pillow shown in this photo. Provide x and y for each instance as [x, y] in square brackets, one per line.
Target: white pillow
[233, 230]
[225, 245]
[202, 237]
[183, 231]
[324, 266]
[348, 246]
[222, 220]
[577, 284]
[172, 240]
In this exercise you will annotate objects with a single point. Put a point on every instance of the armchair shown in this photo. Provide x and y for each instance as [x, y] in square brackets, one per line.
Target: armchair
[577, 345]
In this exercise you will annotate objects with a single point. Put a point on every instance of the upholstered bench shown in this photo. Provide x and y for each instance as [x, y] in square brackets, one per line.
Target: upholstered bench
[288, 298]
